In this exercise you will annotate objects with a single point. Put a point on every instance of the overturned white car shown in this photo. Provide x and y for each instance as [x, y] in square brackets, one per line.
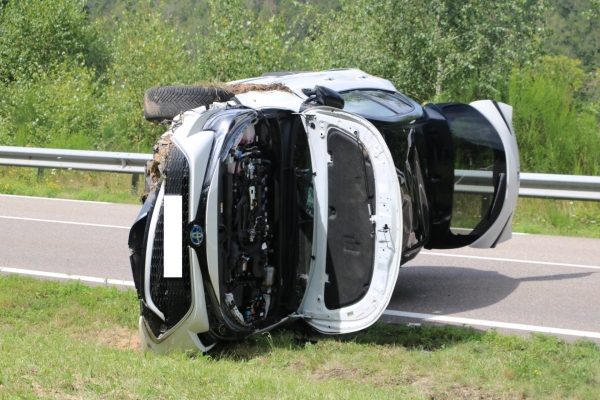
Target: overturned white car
[299, 195]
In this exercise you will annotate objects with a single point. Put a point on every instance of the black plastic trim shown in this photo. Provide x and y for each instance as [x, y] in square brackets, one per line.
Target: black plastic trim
[502, 115]
[227, 125]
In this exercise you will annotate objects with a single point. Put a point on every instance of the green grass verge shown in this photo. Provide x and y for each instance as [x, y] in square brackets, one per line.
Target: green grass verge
[557, 217]
[69, 340]
[65, 184]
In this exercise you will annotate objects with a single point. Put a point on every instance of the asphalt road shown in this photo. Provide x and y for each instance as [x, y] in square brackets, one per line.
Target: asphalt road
[534, 282]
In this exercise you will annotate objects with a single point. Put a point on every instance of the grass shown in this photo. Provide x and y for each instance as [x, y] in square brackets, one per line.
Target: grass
[77, 185]
[557, 217]
[538, 216]
[69, 340]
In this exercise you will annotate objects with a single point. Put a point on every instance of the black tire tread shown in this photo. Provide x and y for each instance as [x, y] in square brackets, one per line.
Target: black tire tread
[165, 102]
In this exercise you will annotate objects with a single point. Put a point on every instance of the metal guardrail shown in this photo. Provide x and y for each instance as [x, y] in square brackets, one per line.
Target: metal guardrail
[552, 186]
[568, 187]
[571, 187]
[105, 161]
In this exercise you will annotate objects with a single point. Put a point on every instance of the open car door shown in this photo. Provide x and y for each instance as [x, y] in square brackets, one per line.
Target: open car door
[357, 222]
[481, 198]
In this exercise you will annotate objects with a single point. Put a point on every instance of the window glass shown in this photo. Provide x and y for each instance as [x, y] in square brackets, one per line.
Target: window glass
[357, 103]
[400, 107]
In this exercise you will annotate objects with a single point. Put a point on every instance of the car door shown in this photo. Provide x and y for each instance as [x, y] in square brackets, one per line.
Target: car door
[357, 222]
[476, 207]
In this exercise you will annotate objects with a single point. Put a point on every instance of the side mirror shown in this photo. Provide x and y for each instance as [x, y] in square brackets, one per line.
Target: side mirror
[323, 96]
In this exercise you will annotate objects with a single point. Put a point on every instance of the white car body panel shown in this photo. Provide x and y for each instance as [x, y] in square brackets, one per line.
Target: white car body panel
[271, 99]
[149, 247]
[184, 335]
[337, 79]
[212, 234]
[196, 145]
[388, 249]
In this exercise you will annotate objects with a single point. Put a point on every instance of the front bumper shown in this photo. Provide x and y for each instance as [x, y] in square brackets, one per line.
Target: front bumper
[185, 334]
[173, 310]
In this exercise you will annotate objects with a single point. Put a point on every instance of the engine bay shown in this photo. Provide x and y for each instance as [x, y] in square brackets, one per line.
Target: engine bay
[247, 205]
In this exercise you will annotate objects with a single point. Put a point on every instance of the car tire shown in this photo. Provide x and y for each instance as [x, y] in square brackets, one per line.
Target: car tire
[165, 102]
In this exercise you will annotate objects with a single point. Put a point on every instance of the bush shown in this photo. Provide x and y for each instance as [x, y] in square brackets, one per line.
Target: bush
[556, 132]
[36, 36]
[432, 50]
[56, 109]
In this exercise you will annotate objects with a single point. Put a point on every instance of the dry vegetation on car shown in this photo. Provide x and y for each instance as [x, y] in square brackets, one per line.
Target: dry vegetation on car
[72, 341]
[239, 88]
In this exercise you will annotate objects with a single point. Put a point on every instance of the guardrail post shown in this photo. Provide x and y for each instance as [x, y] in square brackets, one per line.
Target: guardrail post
[40, 174]
[135, 178]
[485, 204]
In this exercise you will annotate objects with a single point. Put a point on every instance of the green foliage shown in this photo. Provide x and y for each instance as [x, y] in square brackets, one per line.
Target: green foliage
[59, 107]
[594, 10]
[238, 45]
[73, 73]
[146, 51]
[194, 16]
[557, 217]
[556, 133]
[49, 63]
[434, 49]
[574, 27]
[149, 50]
[36, 36]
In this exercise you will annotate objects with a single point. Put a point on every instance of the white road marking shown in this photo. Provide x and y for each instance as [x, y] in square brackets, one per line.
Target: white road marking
[65, 222]
[66, 276]
[465, 229]
[54, 199]
[493, 324]
[510, 260]
[427, 317]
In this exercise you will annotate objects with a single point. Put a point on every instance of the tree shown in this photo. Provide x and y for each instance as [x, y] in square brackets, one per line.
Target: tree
[50, 59]
[240, 45]
[37, 35]
[574, 27]
[556, 132]
[433, 49]
[146, 50]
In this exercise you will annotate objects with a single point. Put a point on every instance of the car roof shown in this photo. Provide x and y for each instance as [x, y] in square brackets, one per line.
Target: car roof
[340, 80]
